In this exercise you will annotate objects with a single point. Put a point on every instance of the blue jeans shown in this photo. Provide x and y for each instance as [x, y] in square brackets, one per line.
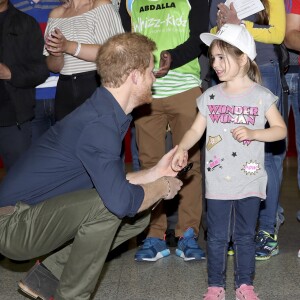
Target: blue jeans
[14, 141]
[44, 117]
[294, 86]
[235, 219]
[274, 156]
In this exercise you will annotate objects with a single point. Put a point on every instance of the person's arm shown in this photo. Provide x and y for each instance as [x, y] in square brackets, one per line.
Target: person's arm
[270, 34]
[198, 23]
[274, 33]
[55, 63]
[276, 132]
[162, 168]
[107, 24]
[292, 35]
[190, 138]
[57, 45]
[105, 167]
[163, 188]
[158, 182]
[33, 69]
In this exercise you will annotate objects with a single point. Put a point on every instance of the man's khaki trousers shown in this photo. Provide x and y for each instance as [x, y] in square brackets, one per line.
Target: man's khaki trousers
[81, 217]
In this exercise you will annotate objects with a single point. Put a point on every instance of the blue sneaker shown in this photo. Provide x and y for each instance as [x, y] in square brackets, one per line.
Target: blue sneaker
[188, 248]
[152, 250]
[266, 245]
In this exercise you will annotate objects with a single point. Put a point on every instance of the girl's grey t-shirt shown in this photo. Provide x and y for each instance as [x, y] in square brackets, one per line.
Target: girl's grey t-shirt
[234, 170]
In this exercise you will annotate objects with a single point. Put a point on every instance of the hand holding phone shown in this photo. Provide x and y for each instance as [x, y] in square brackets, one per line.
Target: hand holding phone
[184, 170]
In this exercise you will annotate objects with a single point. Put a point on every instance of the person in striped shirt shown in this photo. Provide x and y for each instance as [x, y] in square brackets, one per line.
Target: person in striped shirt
[74, 33]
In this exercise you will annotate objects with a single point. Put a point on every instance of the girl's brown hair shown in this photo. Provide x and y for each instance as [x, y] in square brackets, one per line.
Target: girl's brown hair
[251, 68]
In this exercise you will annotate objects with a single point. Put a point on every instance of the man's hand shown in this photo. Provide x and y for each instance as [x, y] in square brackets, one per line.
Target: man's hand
[164, 188]
[161, 169]
[4, 72]
[164, 64]
[164, 166]
[174, 185]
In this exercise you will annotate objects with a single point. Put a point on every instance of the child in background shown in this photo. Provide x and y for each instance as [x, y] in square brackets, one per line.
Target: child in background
[234, 114]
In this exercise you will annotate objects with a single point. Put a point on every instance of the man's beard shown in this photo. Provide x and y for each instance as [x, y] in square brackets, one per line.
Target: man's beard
[144, 97]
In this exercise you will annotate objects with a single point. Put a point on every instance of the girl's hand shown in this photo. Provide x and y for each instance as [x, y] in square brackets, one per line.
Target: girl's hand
[242, 133]
[179, 160]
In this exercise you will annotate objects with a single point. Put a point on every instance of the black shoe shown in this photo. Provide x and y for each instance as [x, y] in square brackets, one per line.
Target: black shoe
[39, 282]
[170, 238]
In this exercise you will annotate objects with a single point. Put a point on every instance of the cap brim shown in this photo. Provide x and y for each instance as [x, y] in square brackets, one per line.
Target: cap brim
[207, 38]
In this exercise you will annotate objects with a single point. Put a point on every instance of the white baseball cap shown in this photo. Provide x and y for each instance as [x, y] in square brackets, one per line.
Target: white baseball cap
[235, 35]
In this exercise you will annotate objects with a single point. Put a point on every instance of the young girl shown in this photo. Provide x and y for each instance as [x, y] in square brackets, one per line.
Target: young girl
[234, 114]
[268, 30]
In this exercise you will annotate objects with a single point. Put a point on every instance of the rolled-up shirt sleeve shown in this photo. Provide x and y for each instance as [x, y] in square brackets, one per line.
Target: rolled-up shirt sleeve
[99, 149]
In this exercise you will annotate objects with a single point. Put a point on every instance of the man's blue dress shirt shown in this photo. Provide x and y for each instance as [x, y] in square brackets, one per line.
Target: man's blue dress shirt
[82, 151]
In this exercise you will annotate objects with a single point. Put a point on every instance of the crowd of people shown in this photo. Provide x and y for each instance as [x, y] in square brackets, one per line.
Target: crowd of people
[76, 75]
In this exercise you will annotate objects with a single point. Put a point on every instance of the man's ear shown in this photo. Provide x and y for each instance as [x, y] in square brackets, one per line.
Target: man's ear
[135, 76]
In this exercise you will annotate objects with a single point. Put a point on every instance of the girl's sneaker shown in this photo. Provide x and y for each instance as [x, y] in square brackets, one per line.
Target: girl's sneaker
[246, 292]
[214, 293]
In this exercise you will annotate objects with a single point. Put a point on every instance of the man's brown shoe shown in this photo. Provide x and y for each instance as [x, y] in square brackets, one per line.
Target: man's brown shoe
[39, 283]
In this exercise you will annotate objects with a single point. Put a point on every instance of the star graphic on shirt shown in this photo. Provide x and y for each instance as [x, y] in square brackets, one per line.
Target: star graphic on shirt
[212, 97]
[234, 154]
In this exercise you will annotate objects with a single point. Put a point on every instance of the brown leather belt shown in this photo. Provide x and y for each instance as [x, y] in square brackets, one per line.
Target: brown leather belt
[6, 210]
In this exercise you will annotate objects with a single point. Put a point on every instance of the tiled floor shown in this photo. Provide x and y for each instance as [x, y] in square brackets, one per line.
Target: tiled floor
[173, 279]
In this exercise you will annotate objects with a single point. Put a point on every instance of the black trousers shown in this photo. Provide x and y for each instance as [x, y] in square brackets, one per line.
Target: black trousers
[73, 90]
